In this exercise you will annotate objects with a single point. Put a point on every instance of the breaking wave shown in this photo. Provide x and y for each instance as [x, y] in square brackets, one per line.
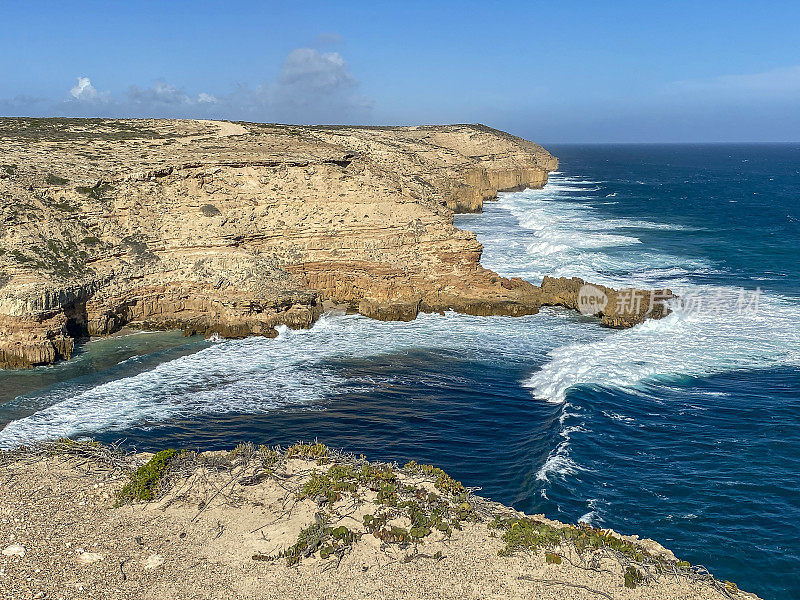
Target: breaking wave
[256, 375]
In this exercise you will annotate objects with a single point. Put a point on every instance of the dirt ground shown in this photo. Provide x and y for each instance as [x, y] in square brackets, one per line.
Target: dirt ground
[219, 523]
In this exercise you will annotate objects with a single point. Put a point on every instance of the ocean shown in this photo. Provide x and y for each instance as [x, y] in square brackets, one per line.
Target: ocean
[685, 430]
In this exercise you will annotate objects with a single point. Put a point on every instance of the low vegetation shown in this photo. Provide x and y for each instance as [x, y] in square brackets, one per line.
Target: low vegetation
[95, 192]
[444, 482]
[72, 129]
[319, 536]
[56, 180]
[146, 479]
[209, 210]
[403, 508]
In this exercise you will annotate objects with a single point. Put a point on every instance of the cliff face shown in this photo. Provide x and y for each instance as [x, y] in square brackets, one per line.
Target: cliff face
[236, 228]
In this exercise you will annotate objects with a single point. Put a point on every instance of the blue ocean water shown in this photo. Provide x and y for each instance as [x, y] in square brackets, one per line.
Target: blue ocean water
[686, 430]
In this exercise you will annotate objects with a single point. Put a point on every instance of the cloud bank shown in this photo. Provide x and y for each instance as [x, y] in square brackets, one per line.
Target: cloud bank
[775, 84]
[311, 87]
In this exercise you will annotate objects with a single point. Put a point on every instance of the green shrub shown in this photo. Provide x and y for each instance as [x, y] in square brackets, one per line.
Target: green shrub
[209, 210]
[56, 180]
[316, 450]
[317, 536]
[633, 577]
[443, 481]
[146, 478]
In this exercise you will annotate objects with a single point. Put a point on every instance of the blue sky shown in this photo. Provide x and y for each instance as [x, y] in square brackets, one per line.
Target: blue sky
[551, 71]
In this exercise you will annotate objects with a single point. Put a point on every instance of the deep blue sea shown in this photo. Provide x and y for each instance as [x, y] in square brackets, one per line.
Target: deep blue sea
[686, 430]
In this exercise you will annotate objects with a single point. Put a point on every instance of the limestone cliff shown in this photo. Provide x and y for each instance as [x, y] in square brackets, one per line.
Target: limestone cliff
[235, 228]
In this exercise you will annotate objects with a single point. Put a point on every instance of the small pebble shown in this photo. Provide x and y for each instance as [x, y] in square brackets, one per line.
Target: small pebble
[14, 550]
[154, 561]
[88, 558]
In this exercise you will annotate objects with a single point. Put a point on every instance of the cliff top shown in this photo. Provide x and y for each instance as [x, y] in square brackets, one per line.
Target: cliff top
[304, 522]
[47, 151]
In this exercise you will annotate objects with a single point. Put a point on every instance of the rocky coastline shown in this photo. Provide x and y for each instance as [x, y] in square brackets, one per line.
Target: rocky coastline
[226, 228]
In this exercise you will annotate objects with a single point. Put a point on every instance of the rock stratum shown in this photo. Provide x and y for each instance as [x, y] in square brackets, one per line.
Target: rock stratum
[236, 228]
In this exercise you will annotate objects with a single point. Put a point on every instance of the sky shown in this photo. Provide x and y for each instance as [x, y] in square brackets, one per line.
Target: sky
[549, 71]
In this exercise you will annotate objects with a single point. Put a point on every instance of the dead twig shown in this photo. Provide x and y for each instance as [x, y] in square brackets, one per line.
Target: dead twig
[567, 584]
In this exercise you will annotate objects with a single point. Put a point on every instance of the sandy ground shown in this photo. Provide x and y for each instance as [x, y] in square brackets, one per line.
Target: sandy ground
[62, 537]
[226, 128]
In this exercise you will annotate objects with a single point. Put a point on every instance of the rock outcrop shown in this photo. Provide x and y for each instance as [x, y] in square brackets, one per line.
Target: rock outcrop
[228, 228]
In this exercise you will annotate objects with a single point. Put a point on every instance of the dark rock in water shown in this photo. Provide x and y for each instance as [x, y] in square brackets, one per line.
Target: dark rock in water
[616, 308]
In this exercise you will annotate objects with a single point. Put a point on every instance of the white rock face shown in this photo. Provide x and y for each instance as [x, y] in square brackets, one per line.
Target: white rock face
[154, 561]
[14, 550]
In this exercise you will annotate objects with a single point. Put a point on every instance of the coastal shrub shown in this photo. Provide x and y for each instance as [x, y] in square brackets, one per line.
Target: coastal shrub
[316, 450]
[20, 257]
[9, 169]
[526, 534]
[65, 206]
[633, 577]
[730, 587]
[317, 536]
[373, 476]
[377, 525]
[209, 210]
[56, 180]
[341, 478]
[95, 192]
[552, 558]
[146, 478]
[242, 452]
[328, 486]
[269, 457]
[427, 516]
[443, 482]
[424, 518]
[66, 445]
[387, 494]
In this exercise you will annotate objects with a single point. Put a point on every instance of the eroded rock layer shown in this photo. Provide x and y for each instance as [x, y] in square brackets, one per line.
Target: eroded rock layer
[218, 227]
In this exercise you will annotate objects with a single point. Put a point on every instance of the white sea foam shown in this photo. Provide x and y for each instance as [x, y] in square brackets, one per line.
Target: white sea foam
[257, 375]
[684, 343]
[560, 463]
[568, 236]
[593, 516]
[562, 233]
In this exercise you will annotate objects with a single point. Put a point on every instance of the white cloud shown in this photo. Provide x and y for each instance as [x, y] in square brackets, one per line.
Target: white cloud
[84, 91]
[311, 87]
[160, 93]
[306, 70]
[316, 87]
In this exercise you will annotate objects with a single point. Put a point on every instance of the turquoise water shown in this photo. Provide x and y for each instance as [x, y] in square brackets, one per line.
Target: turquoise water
[685, 430]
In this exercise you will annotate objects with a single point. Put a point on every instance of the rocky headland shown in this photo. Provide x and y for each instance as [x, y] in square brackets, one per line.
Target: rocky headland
[80, 520]
[235, 228]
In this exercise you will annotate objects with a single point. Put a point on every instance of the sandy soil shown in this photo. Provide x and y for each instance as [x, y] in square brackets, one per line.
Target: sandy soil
[226, 128]
[62, 537]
